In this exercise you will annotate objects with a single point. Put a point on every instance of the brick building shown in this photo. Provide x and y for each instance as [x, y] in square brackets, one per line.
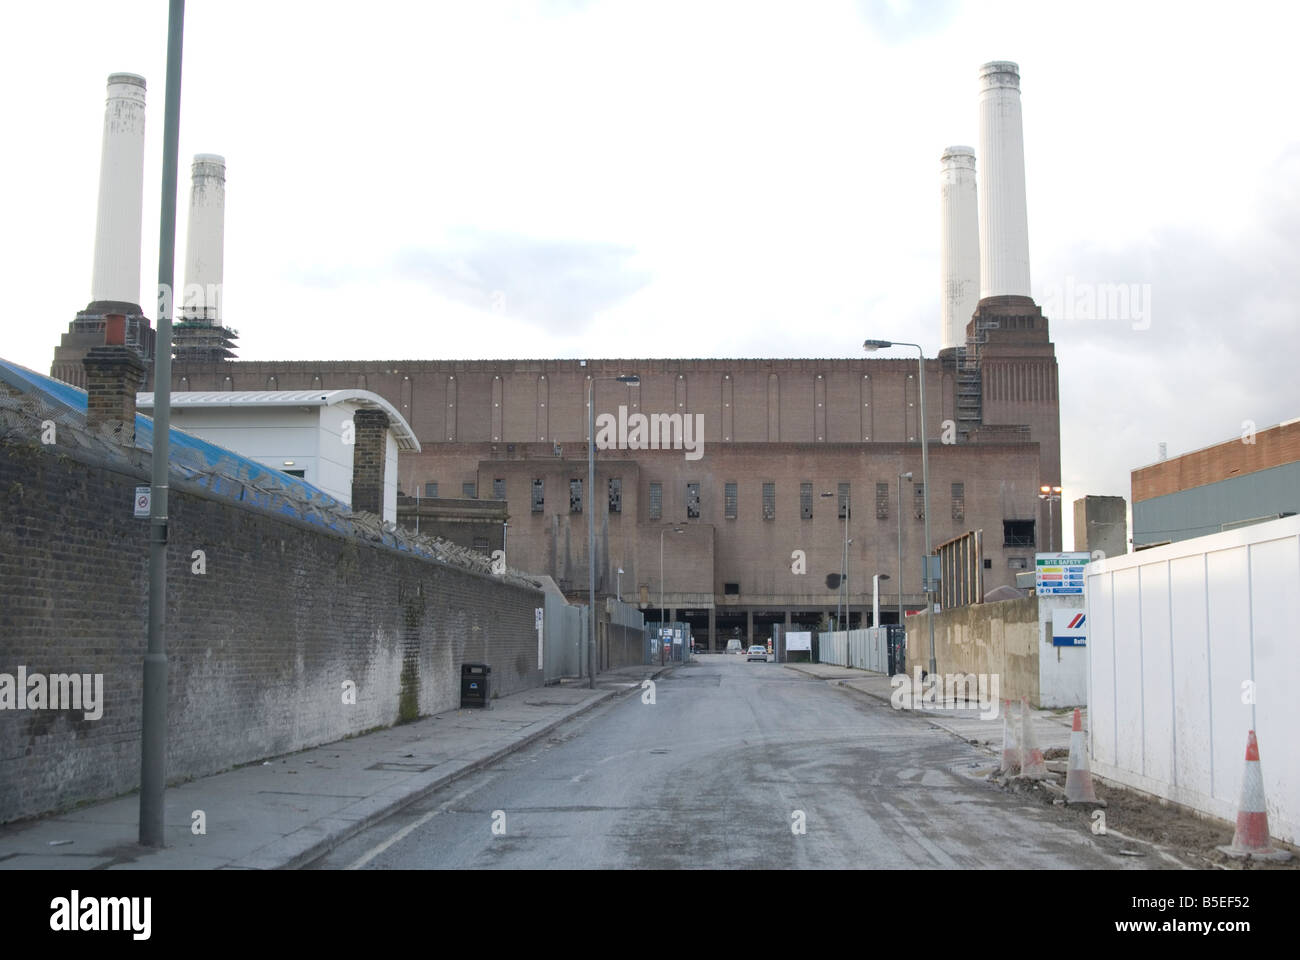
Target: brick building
[778, 434]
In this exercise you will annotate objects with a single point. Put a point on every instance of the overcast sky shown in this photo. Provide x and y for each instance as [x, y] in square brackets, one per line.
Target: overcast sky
[571, 179]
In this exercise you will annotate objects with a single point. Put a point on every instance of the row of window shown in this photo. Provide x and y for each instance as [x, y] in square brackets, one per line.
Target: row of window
[731, 498]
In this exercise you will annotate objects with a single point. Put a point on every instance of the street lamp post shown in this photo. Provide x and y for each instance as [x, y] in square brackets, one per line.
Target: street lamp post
[1051, 495]
[618, 590]
[591, 519]
[901, 478]
[875, 597]
[870, 345]
[661, 580]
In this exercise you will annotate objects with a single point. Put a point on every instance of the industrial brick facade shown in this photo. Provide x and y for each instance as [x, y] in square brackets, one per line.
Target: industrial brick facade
[779, 430]
[260, 643]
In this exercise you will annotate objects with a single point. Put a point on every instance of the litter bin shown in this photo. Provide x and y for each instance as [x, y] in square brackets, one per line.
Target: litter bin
[475, 681]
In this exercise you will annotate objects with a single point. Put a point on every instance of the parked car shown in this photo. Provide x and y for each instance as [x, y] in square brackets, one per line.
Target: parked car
[757, 653]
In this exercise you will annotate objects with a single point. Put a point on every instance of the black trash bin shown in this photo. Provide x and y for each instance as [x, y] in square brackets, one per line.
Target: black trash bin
[475, 683]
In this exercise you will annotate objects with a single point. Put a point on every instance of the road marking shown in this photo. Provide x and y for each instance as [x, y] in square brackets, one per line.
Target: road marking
[405, 831]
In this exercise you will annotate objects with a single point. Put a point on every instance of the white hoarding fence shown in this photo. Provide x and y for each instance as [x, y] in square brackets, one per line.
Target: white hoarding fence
[1190, 646]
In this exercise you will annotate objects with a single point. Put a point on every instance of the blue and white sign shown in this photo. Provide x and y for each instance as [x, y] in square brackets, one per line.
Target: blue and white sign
[1069, 628]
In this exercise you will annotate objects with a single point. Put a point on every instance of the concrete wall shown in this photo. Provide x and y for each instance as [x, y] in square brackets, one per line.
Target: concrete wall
[1178, 634]
[259, 645]
[991, 638]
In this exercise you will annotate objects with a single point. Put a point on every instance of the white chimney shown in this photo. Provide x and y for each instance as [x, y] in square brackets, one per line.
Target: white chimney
[1004, 225]
[121, 193]
[205, 239]
[959, 246]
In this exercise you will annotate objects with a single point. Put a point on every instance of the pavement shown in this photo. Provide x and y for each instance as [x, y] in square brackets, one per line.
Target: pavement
[285, 812]
[983, 729]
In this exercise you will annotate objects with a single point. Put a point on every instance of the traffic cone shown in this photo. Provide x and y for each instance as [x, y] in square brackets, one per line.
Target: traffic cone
[1032, 764]
[1010, 749]
[1251, 836]
[1078, 778]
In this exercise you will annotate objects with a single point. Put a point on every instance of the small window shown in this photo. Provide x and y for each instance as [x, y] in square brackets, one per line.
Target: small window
[805, 501]
[844, 500]
[918, 500]
[656, 501]
[692, 501]
[959, 501]
[539, 501]
[731, 501]
[431, 489]
[615, 494]
[769, 501]
[575, 496]
[1013, 563]
[731, 589]
[1018, 533]
[296, 473]
[882, 501]
[499, 489]
[988, 563]
[469, 489]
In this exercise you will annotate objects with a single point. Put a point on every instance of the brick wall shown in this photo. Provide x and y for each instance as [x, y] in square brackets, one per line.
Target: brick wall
[259, 646]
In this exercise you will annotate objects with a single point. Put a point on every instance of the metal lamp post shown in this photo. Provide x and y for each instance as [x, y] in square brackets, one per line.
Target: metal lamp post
[901, 478]
[591, 520]
[1051, 495]
[869, 346]
[661, 578]
[875, 597]
[618, 590]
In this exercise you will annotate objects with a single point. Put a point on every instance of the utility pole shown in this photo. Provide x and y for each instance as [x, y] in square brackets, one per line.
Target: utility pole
[153, 732]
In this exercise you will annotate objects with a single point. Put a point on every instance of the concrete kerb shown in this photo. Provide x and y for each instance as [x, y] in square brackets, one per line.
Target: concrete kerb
[310, 843]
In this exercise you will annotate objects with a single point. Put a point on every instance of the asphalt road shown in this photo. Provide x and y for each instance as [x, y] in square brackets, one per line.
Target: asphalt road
[720, 772]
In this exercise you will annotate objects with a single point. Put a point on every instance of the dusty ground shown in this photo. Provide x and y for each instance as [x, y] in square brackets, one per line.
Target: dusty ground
[1171, 830]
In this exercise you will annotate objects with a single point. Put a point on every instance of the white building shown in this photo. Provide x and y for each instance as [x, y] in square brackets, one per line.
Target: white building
[304, 433]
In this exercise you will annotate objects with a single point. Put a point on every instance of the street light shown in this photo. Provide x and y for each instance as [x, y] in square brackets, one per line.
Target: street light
[1051, 495]
[844, 570]
[901, 478]
[873, 345]
[591, 510]
[875, 597]
[661, 584]
[619, 588]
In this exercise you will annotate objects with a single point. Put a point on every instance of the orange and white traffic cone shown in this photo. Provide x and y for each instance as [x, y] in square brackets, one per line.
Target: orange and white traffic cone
[1032, 764]
[1078, 778]
[1010, 748]
[1251, 836]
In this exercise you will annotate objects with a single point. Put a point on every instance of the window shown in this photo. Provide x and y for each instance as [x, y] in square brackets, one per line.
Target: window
[1013, 563]
[959, 501]
[499, 489]
[431, 489]
[731, 589]
[575, 496]
[844, 500]
[1017, 533]
[539, 501]
[769, 501]
[656, 501]
[731, 501]
[692, 501]
[469, 489]
[918, 500]
[615, 494]
[297, 473]
[882, 501]
[805, 501]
